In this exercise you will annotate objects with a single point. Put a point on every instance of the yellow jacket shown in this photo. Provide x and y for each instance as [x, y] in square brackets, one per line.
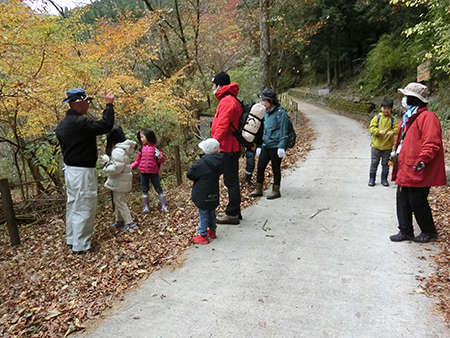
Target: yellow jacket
[386, 123]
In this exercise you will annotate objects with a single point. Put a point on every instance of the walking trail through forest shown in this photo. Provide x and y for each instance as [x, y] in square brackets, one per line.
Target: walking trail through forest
[315, 263]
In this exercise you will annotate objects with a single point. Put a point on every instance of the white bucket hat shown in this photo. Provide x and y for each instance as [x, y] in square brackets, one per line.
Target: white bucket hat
[415, 89]
[210, 146]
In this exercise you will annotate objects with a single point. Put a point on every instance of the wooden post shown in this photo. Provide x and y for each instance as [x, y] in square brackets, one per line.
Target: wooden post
[178, 164]
[9, 211]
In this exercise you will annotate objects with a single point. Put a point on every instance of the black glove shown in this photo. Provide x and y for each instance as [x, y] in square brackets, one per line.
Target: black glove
[419, 166]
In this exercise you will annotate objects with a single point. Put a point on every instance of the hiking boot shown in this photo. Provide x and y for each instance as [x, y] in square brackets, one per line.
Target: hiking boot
[258, 191]
[275, 193]
[118, 224]
[212, 234]
[82, 252]
[221, 214]
[225, 219]
[130, 226]
[425, 238]
[401, 237]
[200, 240]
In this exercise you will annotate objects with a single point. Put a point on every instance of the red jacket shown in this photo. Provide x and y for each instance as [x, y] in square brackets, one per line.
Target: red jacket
[147, 161]
[422, 142]
[228, 112]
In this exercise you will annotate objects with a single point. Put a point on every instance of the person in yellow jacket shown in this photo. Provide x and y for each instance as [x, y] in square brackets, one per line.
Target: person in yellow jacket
[383, 128]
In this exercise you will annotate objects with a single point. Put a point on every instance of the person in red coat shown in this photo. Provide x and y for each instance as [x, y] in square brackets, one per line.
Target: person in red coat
[419, 165]
[228, 113]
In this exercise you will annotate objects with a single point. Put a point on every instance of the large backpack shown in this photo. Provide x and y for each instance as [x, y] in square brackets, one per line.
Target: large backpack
[250, 127]
[292, 136]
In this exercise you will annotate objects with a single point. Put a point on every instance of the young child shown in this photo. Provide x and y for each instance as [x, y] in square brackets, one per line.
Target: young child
[149, 159]
[383, 128]
[118, 168]
[205, 173]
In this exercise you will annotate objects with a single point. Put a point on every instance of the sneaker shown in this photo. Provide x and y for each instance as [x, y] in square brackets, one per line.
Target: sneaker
[130, 226]
[117, 224]
[200, 240]
[212, 234]
[225, 219]
[425, 238]
[401, 237]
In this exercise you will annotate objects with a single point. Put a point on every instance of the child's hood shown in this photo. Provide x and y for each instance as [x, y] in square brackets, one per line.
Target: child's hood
[128, 145]
[214, 161]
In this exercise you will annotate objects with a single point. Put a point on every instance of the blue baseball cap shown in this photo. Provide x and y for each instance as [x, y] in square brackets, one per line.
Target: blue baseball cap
[77, 95]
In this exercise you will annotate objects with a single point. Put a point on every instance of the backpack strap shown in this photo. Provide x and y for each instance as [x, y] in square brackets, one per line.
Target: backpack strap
[392, 121]
[242, 108]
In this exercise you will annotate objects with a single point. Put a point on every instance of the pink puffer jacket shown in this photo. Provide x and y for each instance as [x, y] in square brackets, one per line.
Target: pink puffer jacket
[147, 161]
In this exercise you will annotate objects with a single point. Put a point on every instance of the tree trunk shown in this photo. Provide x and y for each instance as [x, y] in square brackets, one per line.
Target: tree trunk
[264, 43]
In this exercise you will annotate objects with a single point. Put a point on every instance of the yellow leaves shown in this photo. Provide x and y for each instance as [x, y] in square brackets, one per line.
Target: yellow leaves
[42, 56]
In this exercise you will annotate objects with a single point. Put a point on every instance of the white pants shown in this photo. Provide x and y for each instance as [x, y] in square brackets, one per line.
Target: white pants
[81, 189]
[121, 211]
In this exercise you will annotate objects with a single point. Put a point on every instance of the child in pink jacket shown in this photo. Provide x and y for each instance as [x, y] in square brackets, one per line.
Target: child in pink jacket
[149, 159]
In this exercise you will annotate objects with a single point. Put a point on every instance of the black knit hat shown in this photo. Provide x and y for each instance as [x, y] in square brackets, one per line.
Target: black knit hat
[221, 79]
[269, 94]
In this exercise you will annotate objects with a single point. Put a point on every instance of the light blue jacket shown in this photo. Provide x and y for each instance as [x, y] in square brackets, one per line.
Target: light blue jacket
[275, 128]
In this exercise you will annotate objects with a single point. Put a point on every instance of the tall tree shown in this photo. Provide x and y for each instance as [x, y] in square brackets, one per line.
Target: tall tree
[264, 53]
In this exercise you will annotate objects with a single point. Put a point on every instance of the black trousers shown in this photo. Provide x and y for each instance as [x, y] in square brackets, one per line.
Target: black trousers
[414, 200]
[231, 181]
[266, 156]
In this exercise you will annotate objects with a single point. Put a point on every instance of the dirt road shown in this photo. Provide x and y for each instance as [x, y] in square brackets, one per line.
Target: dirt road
[315, 263]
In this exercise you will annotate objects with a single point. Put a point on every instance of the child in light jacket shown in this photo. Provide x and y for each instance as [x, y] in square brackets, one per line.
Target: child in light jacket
[118, 168]
[149, 160]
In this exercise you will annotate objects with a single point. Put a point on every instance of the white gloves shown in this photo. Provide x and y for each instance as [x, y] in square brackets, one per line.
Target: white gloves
[105, 159]
[281, 152]
[157, 153]
[258, 151]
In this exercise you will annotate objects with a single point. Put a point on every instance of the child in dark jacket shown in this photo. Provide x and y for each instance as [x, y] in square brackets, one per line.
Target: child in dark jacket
[205, 173]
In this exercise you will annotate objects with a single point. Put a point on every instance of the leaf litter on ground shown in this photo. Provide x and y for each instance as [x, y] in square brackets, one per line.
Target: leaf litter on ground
[45, 291]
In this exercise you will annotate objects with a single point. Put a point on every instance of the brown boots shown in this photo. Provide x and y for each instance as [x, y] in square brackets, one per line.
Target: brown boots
[258, 191]
[275, 193]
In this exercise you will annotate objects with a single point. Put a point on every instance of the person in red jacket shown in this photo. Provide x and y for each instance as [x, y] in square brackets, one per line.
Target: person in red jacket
[419, 165]
[228, 113]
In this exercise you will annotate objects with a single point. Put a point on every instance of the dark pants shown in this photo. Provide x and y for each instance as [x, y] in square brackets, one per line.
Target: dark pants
[250, 161]
[414, 200]
[231, 180]
[375, 160]
[145, 183]
[266, 156]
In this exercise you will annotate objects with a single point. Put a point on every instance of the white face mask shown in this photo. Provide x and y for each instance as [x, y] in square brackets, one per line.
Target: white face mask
[215, 90]
[404, 104]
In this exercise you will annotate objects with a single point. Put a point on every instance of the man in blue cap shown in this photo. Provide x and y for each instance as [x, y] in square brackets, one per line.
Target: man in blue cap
[77, 136]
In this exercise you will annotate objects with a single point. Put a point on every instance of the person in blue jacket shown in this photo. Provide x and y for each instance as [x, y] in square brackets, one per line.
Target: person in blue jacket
[274, 141]
[205, 173]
